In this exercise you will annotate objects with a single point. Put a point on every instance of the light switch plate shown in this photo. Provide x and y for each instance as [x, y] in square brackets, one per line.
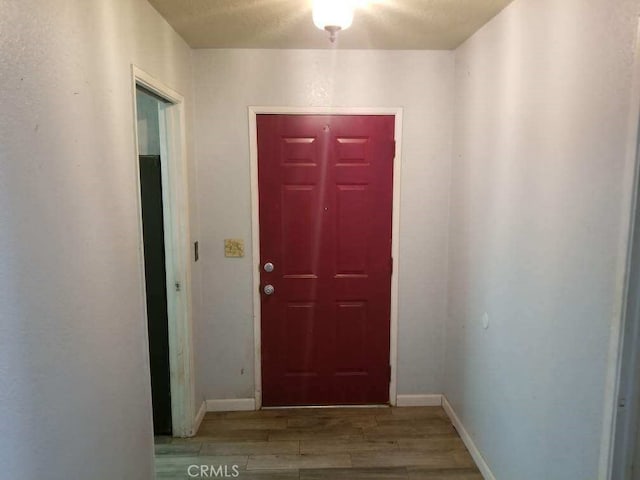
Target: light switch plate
[233, 248]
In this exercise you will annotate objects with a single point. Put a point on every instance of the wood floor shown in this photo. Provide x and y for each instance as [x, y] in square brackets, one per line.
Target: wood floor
[321, 444]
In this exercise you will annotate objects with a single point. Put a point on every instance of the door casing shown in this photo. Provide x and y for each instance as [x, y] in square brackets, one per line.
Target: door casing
[177, 249]
[254, 111]
[613, 438]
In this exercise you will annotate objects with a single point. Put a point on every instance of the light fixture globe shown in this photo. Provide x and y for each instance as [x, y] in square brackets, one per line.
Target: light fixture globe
[333, 15]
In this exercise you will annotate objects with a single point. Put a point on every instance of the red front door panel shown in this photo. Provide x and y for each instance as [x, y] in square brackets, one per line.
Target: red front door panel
[326, 196]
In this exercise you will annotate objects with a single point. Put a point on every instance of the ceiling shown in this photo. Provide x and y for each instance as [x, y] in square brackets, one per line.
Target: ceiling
[383, 24]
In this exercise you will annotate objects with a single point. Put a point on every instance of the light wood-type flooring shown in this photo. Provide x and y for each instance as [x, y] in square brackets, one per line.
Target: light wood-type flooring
[320, 444]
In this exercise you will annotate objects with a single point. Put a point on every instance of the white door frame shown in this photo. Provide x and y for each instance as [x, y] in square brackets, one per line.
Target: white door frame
[617, 382]
[177, 236]
[255, 230]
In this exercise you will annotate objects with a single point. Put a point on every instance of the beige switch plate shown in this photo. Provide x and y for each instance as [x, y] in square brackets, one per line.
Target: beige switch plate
[233, 248]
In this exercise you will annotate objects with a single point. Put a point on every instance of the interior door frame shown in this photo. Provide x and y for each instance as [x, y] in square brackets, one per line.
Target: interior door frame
[175, 199]
[254, 111]
[622, 345]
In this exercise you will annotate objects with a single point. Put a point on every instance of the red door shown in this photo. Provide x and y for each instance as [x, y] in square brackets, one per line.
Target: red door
[326, 188]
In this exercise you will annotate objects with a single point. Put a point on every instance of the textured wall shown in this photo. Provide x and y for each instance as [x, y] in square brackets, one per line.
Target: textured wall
[542, 108]
[74, 376]
[226, 82]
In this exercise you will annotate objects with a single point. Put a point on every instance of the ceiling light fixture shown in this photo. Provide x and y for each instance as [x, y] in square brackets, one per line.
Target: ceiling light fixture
[333, 15]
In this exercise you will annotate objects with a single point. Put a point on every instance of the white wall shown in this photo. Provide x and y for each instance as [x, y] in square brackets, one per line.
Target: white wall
[542, 108]
[226, 82]
[74, 377]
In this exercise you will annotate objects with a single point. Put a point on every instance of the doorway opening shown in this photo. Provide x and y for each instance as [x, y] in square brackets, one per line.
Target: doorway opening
[149, 157]
[165, 252]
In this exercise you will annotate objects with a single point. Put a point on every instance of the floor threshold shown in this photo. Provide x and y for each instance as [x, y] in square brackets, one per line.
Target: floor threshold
[302, 407]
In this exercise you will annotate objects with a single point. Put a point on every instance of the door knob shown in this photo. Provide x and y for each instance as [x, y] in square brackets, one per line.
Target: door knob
[269, 267]
[269, 290]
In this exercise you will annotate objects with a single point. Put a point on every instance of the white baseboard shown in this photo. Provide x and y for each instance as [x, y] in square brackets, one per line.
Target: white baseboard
[468, 441]
[231, 405]
[419, 400]
[199, 417]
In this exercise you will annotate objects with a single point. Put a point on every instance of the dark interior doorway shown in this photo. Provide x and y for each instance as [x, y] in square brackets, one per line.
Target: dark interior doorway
[154, 257]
